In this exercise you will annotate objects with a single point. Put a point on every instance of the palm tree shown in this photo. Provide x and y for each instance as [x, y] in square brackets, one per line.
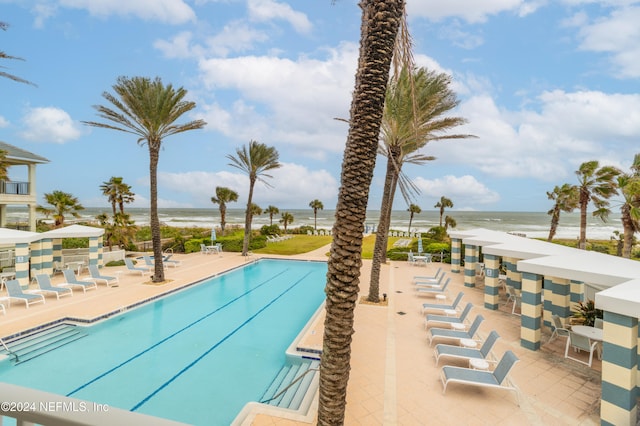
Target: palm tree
[286, 219]
[415, 113]
[117, 192]
[629, 184]
[256, 210]
[449, 222]
[3, 55]
[149, 110]
[271, 210]
[316, 205]
[566, 200]
[380, 23]
[443, 204]
[413, 209]
[223, 196]
[4, 166]
[255, 161]
[596, 184]
[62, 204]
[119, 232]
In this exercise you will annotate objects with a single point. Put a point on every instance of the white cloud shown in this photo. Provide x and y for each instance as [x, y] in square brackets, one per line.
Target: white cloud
[618, 35]
[267, 10]
[169, 11]
[292, 185]
[466, 190]
[3, 122]
[299, 113]
[473, 12]
[50, 124]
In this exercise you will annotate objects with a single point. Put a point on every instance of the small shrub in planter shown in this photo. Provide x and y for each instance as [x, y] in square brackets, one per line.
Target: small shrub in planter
[587, 311]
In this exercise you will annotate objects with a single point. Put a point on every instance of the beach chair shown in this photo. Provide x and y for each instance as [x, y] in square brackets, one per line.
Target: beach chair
[44, 283]
[492, 379]
[136, 269]
[97, 277]
[442, 350]
[441, 307]
[437, 320]
[427, 291]
[71, 281]
[168, 261]
[417, 278]
[559, 329]
[580, 343]
[434, 284]
[456, 335]
[150, 262]
[14, 291]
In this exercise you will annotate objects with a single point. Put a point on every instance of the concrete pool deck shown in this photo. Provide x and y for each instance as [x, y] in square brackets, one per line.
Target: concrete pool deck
[393, 377]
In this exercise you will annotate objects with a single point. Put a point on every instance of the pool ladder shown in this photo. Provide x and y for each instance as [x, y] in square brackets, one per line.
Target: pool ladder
[9, 351]
[286, 388]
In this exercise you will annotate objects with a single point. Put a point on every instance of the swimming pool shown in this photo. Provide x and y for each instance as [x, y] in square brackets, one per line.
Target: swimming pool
[196, 356]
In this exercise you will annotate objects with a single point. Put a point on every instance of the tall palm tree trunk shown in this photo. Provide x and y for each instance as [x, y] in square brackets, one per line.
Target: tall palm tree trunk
[584, 201]
[380, 247]
[555, 219]
[223, 217]
[380, 23]
[629, 230]
[154, 222]
[247, 218]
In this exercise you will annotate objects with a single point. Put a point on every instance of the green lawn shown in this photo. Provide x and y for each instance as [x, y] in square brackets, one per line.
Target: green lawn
[296, 245]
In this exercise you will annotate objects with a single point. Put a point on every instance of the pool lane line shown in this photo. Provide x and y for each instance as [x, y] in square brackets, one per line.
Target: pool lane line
[218, 343]
[171, 336]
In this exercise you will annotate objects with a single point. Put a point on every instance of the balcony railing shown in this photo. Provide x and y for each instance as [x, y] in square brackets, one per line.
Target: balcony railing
[18, 188]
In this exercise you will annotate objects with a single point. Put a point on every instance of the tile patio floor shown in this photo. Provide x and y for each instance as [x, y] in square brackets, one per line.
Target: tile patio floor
[393, 380]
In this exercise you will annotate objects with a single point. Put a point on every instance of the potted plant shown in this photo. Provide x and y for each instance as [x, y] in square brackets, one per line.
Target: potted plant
[587, 313]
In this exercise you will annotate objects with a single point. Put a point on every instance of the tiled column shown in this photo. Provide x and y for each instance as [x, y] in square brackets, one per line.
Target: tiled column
[514, 278]
[619, 370]
[561, 298]
[95, 250]
[470, 260]
[57, 249]
[46, 256]
[577, 292]
[491, 284]
[22, 263]
[36, 255]
[530, 328]
[547, 305]
[456, 253]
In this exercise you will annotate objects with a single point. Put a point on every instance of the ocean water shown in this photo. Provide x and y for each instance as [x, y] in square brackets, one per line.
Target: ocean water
[533, 224]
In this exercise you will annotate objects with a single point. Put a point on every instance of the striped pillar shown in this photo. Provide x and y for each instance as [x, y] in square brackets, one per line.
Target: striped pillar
[530, 326]
[470, 260]
[491, 285]
[36, 255]
[100, 250]
[619, 370]
[561, 298]
[547, 305]
[514, 278]
[46, 253]
[22, 264]
[95, 250]
[456, 250]
[577, 292]
[57, 249]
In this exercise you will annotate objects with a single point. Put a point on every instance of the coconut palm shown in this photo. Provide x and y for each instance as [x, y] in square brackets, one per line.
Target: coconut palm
[117, 192]
[316, 205]
[3, 55]
[415, 113]
[381, 20]
[223, 196]
[565, 199]
[595, 184]
[62, 203]
[271, 210]
[444, 203]
[120, 231]
[413, 209]
[449, 222]
[286, 219]
[256, 210]
[149, 110]
[255, 160]
[629, 184]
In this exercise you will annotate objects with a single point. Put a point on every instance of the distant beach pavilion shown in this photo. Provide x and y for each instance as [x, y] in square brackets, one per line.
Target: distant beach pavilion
[565, 276]
[38, 251]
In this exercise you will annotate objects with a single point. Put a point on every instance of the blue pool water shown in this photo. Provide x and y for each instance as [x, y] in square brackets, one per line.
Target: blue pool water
[197, 356]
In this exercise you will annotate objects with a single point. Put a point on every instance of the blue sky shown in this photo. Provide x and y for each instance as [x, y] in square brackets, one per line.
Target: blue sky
[545, 85]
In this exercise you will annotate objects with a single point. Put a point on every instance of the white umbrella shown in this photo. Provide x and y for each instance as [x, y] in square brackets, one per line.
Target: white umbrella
[419, 244]
[213, 235]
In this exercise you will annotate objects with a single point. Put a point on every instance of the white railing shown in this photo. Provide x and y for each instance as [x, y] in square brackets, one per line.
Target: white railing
[30, 406]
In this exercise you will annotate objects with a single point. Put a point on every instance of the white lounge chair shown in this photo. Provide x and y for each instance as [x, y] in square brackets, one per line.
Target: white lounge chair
[432, 291]
[492, 379]
[580, 343]
[417, 278]
[439, 320]
[442, 350]
[431, 283]
[14, 291]
[168, 261]
[44, 283]
[98, 277]
[136, 269]
[72, 281]
[456, 335]
[441, 307]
